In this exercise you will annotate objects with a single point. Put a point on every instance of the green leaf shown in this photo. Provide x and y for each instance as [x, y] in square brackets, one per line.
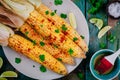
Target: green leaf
[46, 12]
[52, 14]
[1, 62]
[43, 69]
[111, 38]
[34, 42]
[75, 39]
[42, 43]
[70, 51]
[82, 37]
[57, 31]
[59, 59]
[81, 75]
[58, 2]
[42, 57]
[64, 28]
[102, 45]
[64, 16]
[18, 60]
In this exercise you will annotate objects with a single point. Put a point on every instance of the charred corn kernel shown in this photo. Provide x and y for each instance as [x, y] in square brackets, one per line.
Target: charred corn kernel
[54, 51]
[58, 22]
[25, 47]
[36, 20]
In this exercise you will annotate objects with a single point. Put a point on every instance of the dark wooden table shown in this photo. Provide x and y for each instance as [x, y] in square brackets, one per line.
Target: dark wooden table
[82, 72]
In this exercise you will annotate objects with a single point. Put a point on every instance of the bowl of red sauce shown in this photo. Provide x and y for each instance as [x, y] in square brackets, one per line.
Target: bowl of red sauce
[108, 75]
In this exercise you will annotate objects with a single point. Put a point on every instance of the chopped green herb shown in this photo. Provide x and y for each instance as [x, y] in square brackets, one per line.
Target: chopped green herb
[58, 2]
[75, 39]
[96, 5]
[55, 11]
[52, 14]
[64, 16]
[57, 31]
[71, 51]
[41, 25]
[102, 45]
[46, 12]
[34, 42]
[59, 59]
[43, 69]
[81, 76]
[42, 43]
[42, 57]
[82, 37]
[26, 32]
[111, 38]
[17, 60]
[55, 46]
[64, 28]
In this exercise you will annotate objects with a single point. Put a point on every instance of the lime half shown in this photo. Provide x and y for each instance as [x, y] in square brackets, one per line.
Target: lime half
[9, 74]
[1, 78]
[1, 62]
[97, 22]
[103, 31]
[72, 20]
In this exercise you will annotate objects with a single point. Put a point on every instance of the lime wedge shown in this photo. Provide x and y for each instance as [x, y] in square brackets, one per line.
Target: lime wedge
[9, 74]
[72, 20]
[103, 31]
[1, 62]
[97, 22]
[1, 78]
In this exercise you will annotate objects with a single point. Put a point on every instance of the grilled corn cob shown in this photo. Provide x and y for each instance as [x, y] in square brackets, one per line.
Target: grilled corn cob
[51, 48]
[43, 27]
[25, 47]
[13, 21]
[58, 22]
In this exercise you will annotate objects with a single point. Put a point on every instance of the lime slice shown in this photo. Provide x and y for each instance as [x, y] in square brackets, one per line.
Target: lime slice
[9, 74]
[72, 20]
[97, 22]
[1, 78]
[1, 62]
[103, 31]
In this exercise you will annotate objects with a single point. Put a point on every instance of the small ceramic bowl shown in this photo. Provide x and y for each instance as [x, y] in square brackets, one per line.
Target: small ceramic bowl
[111, 75]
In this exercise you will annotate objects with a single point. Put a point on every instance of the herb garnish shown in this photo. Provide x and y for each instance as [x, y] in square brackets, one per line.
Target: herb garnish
[55, 11]
[34, 42]
[71, 51]
[46, 12]
[17, 60]
[64, 28]
[64, 16]
[41, 25]
[82, 37]
[58, 2]
[43, 69]
[102, 45]
[42, 43]
[26, 32]
[59, 59]
[75, 39]
[96, 6]
[111, 38]
[52, 13]
[57, 31]
[42, 57]
[55, 46]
